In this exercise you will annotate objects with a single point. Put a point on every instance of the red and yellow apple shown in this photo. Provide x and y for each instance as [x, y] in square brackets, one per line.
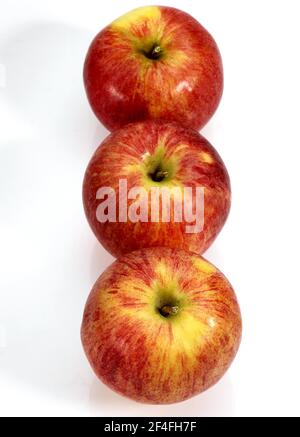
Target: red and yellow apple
[154, 63]
[151, 155]
[161, 325]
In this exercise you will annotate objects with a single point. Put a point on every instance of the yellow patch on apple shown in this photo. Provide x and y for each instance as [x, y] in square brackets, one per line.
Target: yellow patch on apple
[206, 157]
[204, 266]
[139, 14]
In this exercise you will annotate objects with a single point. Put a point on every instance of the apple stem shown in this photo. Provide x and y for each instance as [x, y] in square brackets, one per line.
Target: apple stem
[156, 52]
[168, 310]
[160, 175]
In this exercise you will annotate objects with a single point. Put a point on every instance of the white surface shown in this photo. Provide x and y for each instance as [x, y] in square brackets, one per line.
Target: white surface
[49, 258]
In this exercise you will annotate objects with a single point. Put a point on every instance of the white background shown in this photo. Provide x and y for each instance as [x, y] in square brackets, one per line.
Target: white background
[49, 258]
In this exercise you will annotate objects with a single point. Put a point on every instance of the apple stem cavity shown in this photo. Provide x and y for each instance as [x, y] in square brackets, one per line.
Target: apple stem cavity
[154, 53]
[159, 175]
[168, 310]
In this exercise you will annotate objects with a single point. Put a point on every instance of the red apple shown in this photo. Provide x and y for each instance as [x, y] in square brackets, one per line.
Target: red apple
[161, 325]
[154, 63]
[154, 155]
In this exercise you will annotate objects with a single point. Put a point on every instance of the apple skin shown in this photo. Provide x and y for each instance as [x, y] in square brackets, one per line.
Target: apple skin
[184, 85]
[124, 154]
[146, 356]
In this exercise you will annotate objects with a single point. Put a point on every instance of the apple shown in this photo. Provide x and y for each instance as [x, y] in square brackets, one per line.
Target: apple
[154, 62]
[161, 325]
[149, 156]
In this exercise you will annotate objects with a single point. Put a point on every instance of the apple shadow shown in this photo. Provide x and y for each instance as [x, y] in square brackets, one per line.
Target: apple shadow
[44, 86]
[209, 129]
[100, 260]
[43, 319]
[214, 255]
[44, 90]
[217, 401]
